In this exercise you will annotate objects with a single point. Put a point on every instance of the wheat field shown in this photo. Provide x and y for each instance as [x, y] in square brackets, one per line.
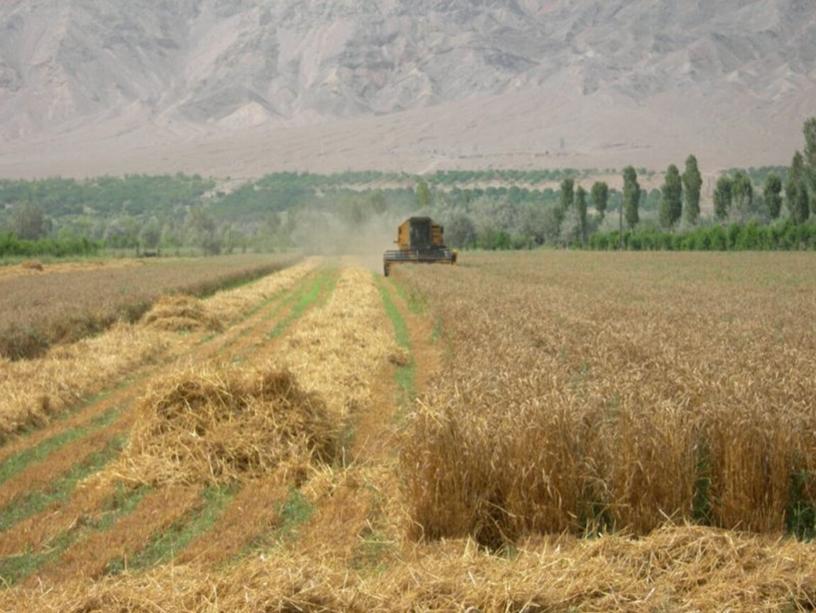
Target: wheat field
[545, 431]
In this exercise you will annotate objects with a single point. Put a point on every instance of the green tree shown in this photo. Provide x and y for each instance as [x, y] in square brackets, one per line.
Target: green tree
[671, 203]
[723, 196]
[28, 222]
[567, 194]
[600, 198]
[204, 231]
[743, 191]
[796, 191]
[581, 206]
[693, 184]
[150, 235]
[631, 196]
[773, 195]
[423, 194]
[460, 231]
[170, 238]
[810, 160]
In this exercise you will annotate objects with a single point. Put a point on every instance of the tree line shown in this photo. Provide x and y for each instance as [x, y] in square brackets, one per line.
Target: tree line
[776, 216]
[173, 213]
[13, 247]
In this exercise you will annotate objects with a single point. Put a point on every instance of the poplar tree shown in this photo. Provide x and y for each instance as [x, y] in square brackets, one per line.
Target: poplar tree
[693, 184]
[567, 194]
[773, 195]
[810, 160]
[581, 205]
[28, 221]
[796, 191]
[671, 203]
[722, 198]
[423, 195]
[631, 196]
[600, 197]
[743, 193]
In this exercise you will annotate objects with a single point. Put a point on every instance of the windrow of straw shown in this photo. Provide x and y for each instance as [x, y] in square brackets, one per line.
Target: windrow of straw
[337, 349]
[181, 314]
[229, 305]
[592, 394]
[33, 391]
[683, 569]
[220, 426]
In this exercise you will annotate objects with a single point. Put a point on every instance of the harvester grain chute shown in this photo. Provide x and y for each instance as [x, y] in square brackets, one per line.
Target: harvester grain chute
[420, 241]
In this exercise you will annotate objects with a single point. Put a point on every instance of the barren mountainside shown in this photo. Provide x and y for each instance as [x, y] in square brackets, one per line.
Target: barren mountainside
[207, 84]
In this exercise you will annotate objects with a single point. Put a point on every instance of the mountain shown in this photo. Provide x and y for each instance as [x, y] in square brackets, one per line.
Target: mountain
[241, 87]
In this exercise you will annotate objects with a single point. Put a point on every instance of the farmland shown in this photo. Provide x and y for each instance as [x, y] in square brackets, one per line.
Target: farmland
[65, 302]
[537, 431]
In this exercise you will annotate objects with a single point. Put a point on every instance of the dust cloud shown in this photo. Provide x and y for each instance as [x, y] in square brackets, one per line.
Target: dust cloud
[326, 234]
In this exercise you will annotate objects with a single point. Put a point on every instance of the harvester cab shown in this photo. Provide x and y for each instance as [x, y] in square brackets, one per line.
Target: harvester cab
[419, 241]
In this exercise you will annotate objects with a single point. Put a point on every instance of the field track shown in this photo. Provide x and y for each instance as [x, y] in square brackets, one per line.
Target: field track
[334, 513]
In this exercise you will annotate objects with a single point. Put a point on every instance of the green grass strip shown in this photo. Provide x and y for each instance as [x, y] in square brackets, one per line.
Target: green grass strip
[397, 320]
[295, 511]
[405, 376]
[292, 512]
[16, 463]
[415, 302]
[14, 569]
[165, 545]
[34, 502]
[322, 286]
[277, 308]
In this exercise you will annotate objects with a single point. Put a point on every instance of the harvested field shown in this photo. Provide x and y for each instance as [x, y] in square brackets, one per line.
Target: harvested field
[232, 304]
[348, 338]
[220, 426]
[525, 432]
[47, 308]
[681, 569]
[32, 392]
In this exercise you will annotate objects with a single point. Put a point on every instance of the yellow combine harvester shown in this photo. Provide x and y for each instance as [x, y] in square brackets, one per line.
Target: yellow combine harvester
[420, 241]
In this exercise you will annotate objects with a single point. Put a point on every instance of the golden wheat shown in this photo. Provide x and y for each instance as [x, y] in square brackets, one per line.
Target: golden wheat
[623, 391]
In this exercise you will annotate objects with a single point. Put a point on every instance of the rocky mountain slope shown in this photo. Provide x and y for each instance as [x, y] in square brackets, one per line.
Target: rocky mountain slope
[243, 86]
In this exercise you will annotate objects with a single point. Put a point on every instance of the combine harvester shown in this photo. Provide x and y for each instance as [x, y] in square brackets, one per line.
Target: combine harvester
[420, 241]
